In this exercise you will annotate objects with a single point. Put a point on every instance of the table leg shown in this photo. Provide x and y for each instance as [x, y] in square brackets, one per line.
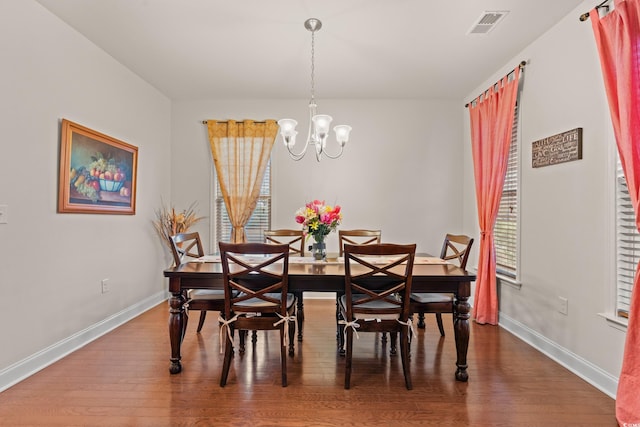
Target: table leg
[176, 330]
[461, 330]
[300, 314]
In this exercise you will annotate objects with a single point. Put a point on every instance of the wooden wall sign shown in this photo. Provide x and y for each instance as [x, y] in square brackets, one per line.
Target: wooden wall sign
[560, 148]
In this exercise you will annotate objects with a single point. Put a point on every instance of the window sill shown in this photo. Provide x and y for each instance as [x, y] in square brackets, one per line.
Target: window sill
[509, 281]
[615, 321]
[502, 279]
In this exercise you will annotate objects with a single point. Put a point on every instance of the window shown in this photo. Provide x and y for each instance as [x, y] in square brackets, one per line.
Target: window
[627, 244]
[506, 229]
[260, 219]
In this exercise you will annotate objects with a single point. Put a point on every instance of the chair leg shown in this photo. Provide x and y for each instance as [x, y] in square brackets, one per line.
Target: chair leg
[228, 353]
[241, 337]
[404, 351]
[203, 315]
[349, 353]
[185, 322]
[291, 330]
[283, 355]
[394, 343]
[339, 328]
[421, 324]
[439, 320]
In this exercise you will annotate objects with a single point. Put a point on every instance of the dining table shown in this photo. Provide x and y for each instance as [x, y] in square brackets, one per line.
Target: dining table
[430, 274]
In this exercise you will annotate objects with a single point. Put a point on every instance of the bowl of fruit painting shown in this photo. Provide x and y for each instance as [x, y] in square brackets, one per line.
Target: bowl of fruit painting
[97, 172]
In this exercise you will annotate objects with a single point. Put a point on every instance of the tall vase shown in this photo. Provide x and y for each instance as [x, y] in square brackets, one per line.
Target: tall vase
[319, 248]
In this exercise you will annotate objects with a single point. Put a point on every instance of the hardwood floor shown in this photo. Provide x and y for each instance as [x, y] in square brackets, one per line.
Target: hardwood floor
[122, 379]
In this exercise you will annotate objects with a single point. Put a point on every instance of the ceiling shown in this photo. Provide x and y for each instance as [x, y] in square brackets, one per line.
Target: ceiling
[203, 49]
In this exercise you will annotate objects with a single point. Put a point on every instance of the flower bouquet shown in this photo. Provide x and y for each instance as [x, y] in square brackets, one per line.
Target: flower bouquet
[318, 220]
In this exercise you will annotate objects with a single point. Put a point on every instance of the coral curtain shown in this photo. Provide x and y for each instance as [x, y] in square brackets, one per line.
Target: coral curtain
[241, 153]
[491, 124]
[617, 37]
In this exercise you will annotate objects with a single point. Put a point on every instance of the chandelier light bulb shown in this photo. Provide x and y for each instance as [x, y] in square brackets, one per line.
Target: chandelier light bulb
[288, 131]
[321, 123]
[342, 133]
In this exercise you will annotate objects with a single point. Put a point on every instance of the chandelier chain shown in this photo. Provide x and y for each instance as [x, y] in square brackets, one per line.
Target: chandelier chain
[313, 66]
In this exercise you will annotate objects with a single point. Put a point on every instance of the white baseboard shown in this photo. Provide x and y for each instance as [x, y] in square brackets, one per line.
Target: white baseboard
[589, 372]
[40, 360]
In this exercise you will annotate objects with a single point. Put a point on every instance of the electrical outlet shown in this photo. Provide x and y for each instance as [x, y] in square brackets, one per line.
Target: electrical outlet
[563, 305]
[105, 285]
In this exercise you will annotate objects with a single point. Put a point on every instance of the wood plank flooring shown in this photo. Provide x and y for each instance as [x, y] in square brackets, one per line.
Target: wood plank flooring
[122, 379]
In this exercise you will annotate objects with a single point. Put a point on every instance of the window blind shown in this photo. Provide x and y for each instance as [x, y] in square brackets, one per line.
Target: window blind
[260, 219]
[627, 244]
[505, 231]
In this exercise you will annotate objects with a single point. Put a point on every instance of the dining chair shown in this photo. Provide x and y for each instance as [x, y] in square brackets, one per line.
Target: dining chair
[455, 248]
[376, 297]
[185, 247]
[255, 277]
[355, 237]
[358, 237]
[295, 240]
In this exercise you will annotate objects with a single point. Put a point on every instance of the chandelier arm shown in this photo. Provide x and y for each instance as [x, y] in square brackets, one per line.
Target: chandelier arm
[326, 153]
[300, 155]
[319, 149]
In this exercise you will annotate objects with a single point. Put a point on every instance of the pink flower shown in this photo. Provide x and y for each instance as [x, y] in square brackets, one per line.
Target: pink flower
[300, 219]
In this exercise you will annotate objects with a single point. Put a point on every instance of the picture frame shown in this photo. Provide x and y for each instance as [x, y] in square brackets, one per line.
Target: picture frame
[97, 172]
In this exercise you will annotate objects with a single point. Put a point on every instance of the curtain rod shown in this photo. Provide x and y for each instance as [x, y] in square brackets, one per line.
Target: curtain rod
[585, 15]
[204, 122]
[521, 66]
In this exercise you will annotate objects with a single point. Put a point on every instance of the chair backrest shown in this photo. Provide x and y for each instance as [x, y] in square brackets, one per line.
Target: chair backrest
[293, 238]
[185, 246]
[358, 237]
[456, 247]
[384, 282]
[257, 274]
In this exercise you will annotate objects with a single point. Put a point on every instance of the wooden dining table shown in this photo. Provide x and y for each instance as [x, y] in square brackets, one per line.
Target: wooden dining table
[306, 275]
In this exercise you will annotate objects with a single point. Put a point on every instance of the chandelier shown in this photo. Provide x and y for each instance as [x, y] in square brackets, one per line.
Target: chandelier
[318, 123]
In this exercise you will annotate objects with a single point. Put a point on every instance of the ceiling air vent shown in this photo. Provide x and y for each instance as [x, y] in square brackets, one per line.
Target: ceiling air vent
[487, 21]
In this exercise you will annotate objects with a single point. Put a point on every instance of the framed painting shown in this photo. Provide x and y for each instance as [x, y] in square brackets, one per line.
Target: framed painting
[97, 172]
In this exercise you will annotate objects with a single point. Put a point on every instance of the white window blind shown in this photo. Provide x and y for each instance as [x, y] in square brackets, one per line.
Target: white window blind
[260, 219]
[506, 226]
[627, 244]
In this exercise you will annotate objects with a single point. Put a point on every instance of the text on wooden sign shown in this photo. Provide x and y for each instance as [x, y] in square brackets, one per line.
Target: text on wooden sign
[560, 148]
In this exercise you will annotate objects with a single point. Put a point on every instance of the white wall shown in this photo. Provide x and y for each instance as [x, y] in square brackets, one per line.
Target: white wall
[51, 264]
[567, 209]
[399, 172]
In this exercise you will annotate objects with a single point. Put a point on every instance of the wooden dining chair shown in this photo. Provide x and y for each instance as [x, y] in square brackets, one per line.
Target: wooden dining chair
[376, 297]
[256, 296]
[295, 240]
[185, 247]
[455, 248]
[355, 237]
[358, 237]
